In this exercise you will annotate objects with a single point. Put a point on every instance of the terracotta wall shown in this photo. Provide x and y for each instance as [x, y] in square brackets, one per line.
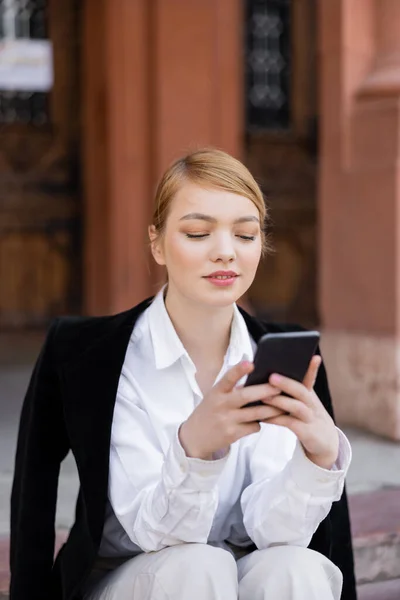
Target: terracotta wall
[143, 108]
[358, 207]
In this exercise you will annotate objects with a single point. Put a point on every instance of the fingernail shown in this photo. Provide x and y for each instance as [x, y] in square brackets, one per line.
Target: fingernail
[275, 378]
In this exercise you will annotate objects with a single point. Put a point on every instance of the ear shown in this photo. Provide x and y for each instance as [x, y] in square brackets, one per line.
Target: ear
[156, 245]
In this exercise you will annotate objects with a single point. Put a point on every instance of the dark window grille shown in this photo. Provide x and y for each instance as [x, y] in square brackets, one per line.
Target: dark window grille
[23, 19]
[267, 64]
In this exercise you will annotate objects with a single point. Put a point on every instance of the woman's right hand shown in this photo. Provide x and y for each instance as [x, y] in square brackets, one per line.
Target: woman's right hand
[219, 420]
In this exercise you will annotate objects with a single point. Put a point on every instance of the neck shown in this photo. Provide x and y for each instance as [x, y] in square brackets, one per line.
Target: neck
[203, 330]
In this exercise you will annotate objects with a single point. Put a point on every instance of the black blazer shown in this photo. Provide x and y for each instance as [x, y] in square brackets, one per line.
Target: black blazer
[69, 406]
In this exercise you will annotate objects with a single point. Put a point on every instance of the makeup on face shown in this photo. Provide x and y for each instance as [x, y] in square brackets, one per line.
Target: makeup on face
[211, 246]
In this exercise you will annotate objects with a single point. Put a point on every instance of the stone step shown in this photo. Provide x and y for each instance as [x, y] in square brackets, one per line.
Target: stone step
[375, 518]
[4, 572]
[381, 590]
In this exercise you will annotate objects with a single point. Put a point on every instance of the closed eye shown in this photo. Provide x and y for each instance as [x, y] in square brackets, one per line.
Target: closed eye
[247, 238]
[196, 235]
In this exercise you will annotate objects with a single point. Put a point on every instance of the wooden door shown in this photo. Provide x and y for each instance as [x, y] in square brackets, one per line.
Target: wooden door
[40, 216]
[281, 152]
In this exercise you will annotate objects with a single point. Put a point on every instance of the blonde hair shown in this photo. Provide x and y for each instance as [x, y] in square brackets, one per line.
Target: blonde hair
[209, 168]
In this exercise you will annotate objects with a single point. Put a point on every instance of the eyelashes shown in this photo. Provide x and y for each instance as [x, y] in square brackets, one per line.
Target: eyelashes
[199, 236]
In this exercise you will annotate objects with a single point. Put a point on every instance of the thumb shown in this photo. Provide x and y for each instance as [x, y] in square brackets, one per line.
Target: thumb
[231, 377]
[312, 372]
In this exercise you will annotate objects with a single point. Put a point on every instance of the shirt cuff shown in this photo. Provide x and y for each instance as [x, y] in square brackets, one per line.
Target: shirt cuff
[191, 473]
[318, 481]
[344, 456]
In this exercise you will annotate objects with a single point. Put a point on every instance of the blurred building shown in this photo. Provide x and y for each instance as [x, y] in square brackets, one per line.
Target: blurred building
[305, 92]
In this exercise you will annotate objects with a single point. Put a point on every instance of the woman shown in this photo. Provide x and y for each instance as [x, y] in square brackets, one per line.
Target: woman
[184, 493]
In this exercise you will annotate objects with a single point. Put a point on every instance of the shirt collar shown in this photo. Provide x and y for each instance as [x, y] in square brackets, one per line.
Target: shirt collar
[240, 347]
[168, 348]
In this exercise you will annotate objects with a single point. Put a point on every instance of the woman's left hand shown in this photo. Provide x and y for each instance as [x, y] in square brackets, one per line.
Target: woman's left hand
[306, 416]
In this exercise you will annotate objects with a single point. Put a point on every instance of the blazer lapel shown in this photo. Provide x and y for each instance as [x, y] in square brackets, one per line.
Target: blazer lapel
[255, 327]
[90, 382]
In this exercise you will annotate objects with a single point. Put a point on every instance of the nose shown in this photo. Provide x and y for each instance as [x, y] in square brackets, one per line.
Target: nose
[223, 250]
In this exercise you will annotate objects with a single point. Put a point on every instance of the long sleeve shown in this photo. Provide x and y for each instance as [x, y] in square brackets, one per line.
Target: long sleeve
[42, 445]
[286, 506]
[159, 500]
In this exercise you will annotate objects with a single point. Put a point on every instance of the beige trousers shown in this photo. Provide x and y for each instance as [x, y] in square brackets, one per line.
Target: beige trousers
[203, 572]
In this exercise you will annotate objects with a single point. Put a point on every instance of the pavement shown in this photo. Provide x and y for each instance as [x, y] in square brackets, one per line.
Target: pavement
[373, 483]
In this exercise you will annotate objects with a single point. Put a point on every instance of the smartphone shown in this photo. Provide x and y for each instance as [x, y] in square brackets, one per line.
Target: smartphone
[287, 354]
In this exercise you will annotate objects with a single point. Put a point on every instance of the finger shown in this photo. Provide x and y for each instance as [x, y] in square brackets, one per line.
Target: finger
[294, 407]
[312, 372]
[235, 374]
[292, 388]
[286, 421]
[248, 429]
[253, 393]
[258, 413]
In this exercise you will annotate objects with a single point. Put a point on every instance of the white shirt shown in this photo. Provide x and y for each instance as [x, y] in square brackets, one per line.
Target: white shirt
[265, 490]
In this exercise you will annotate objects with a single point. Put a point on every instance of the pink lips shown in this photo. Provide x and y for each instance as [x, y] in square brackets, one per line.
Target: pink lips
[222, 278]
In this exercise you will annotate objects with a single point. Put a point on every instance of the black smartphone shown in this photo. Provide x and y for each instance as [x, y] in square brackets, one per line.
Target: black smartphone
[287, 354]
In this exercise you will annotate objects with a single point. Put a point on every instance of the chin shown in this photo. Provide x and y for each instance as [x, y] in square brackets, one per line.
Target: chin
[218, 297]
[221, 297]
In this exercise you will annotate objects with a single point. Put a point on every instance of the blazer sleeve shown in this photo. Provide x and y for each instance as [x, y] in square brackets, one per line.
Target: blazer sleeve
[41, 446]
[333, 536]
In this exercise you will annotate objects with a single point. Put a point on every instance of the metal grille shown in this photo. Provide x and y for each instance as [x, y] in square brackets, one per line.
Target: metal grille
[267, 64]
[23, 19]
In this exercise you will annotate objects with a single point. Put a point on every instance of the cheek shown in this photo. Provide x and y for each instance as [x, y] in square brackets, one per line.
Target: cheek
[183, 252]
[251, 256]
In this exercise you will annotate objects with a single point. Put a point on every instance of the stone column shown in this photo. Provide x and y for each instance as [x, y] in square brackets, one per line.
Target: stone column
[160, 77]
[198, 77]
[116, 138]
[359, 208]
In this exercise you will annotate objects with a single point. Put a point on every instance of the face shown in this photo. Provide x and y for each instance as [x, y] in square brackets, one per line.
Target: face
[211, 246]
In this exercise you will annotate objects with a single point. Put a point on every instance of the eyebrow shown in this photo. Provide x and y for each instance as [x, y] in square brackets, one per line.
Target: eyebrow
[209, 219]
